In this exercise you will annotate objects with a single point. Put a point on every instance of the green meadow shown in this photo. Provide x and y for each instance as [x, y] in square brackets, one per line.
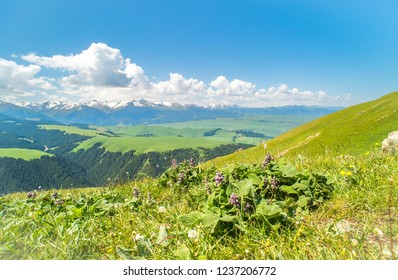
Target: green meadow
[147, 144]
[270, 125]
[76, 130]
[25, 154]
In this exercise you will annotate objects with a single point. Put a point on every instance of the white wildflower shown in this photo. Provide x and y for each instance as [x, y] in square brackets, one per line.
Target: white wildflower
[192, 234]
[387, 253]
[378, 232]
[343, 226]
[139, 237]
[161, 209]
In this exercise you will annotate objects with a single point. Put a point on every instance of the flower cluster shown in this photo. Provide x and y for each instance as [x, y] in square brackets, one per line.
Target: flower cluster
[267, 160]
[274, 184]
[136, 193]
[181, 177]
[234, 200]
[218, 178]
[59, 202]
[248, 208]
[31, 194]
[174, 163]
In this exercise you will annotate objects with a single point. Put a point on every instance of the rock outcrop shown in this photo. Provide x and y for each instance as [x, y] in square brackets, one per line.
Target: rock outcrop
[391, 142]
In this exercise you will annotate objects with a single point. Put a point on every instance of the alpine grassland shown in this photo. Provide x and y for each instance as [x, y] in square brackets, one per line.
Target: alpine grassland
[323, 191]
[25, 154]
[319, 207]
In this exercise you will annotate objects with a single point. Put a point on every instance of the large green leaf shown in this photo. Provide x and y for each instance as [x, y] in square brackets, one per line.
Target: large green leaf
[211, 220]
[244, 187]
[255, 179]
[269, 211]
[182, 252]
[288, 170]
[192, 218]
[303, 201]
[289, 189]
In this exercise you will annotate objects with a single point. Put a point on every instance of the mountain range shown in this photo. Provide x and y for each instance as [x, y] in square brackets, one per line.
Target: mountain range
[142, 112]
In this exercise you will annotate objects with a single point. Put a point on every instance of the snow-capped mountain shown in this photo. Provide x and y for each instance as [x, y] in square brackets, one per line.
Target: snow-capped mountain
[145, 112]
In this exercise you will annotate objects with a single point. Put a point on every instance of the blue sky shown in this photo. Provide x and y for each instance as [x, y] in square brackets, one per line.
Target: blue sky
[251, 53]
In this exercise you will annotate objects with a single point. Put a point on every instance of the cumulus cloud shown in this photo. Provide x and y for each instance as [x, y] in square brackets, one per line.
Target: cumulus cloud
[101, 72]
[283, 95]
[179, 89]
[20, 82]
[13, 75]
[221, 86]
[98, 65]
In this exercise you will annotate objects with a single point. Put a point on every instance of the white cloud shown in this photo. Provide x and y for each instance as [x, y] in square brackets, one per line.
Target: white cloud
[221, 86]
[98, 65]
[19, 82]
[136, 75]
[178, 85]
[102, 73]
[13, 75]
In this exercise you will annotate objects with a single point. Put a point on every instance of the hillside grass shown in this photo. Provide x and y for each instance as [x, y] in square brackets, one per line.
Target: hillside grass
[25, 154]
[353, 130]
[76, 130]
[270, 125]
[147, 144]
[223, 135]
[156, 130]
[357, 222]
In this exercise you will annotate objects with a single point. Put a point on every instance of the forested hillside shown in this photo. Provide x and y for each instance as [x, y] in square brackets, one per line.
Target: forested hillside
[95, 167]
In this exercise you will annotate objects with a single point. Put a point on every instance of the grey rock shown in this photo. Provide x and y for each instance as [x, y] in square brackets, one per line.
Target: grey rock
[391, 142]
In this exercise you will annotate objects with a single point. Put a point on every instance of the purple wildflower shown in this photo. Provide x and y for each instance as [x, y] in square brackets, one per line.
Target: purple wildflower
[267, 160]
[266, 183]
[234, 200]
[274, 184]
[174, 163]
[181, 177]
[218, 178]
[248, 208]
[31, 194]
[136, 192]
[59, 202]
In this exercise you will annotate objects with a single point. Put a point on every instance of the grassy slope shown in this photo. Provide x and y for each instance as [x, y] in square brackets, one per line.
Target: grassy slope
[156, 130]
[105, 223]
[74, 130]
[147, 144]
[270, 125]
[352, 130]
[186, 130]
[25, 154]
